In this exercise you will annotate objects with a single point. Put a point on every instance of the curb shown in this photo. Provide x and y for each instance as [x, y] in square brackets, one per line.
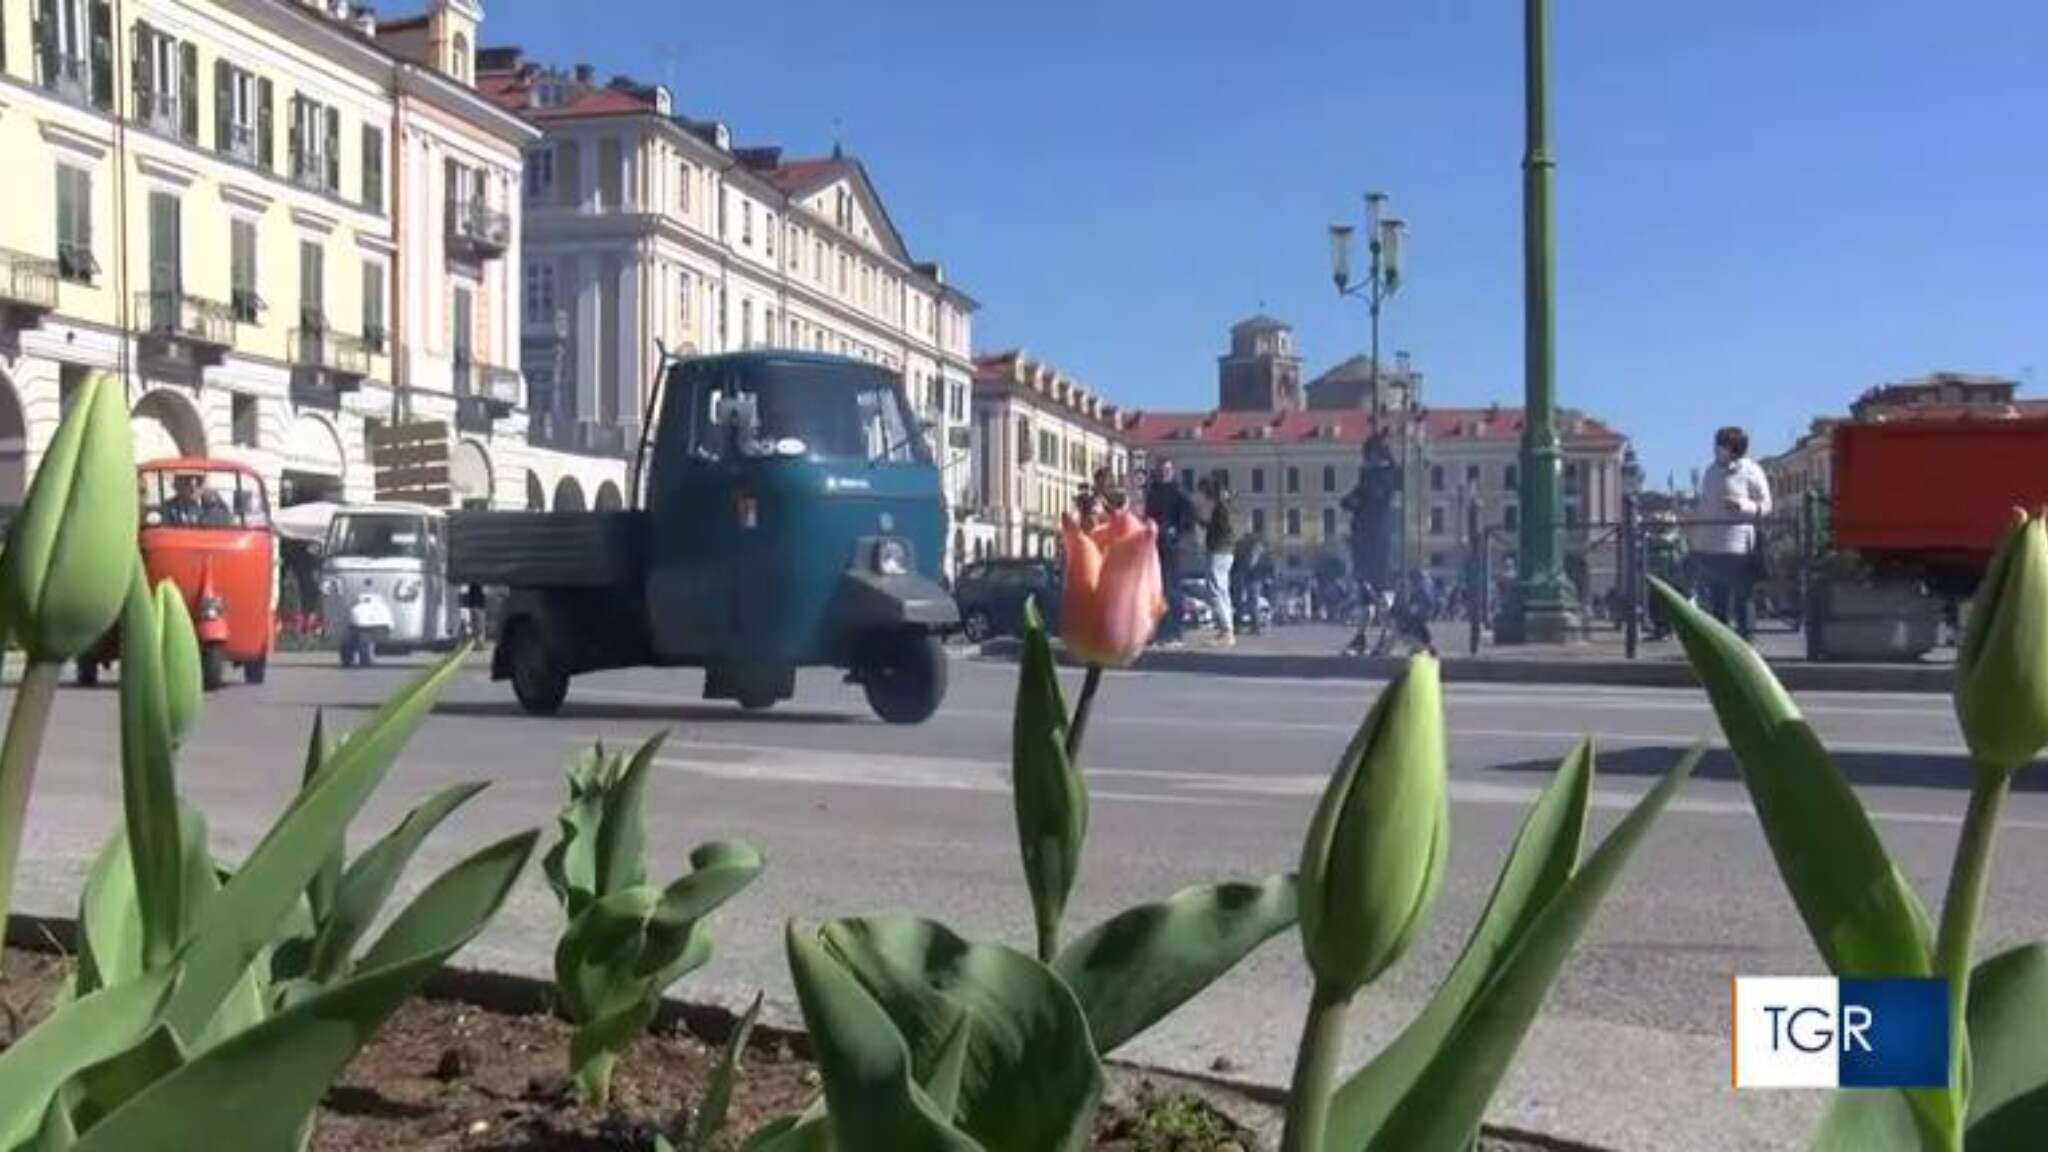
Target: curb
[1796, 676]
[1251, 1104]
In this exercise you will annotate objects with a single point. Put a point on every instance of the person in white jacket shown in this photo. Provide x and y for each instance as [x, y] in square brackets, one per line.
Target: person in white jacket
[1734, 496]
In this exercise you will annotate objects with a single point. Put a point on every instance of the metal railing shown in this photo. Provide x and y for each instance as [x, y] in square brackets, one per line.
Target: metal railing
[160, 111]
[28, 280]
[479, 228]
[475, 380]
[330, 351]
[240, 143]
[68, 76]
[185, 317]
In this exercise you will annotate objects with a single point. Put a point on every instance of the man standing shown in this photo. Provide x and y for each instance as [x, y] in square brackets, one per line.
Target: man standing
[1734, 495]
[1169, 507]
[1216, 536]
[1373, 525]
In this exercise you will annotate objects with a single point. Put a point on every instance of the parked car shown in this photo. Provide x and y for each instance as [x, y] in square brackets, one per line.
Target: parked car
[991, 595]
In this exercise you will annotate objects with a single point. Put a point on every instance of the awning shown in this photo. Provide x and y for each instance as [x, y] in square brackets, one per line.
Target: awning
[305, 523]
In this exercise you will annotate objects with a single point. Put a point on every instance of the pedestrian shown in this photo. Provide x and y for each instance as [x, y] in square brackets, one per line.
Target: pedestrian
[1111, 494]
[1167, 506]
[1734, 495]
[1219, 537]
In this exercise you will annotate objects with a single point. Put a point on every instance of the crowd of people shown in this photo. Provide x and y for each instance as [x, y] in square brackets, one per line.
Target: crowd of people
[1716, 554]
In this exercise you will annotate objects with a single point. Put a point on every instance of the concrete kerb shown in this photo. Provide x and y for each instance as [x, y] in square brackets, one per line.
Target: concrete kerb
[1258, 1107]
[1797, 676]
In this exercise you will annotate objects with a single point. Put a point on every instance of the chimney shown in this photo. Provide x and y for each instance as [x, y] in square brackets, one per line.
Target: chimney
[585, 74]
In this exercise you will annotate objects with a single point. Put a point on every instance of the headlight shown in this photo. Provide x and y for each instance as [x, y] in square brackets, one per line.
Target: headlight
[407, 589]
[330, 586]
[211, 608]
[892, 558]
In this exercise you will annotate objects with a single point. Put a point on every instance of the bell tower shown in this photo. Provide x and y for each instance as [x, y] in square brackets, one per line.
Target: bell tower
[452, 27]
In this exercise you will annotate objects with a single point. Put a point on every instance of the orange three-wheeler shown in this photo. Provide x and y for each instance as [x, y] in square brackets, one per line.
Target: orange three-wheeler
[206, 528]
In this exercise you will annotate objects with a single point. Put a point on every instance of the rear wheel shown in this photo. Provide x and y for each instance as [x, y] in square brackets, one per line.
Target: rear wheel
[257, 670]
[757, 701]
[213, 668]
[88, 672]
[904, 675]
[537, 680]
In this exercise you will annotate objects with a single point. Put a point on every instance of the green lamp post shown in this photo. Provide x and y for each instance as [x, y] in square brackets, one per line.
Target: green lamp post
[1542, 608]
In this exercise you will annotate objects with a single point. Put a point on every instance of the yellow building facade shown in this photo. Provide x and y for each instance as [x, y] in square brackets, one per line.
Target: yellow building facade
[249, 210]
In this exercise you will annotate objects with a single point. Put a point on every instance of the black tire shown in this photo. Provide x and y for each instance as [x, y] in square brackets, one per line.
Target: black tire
[977, 627]
[538, 682]
[88, 672]
[256, 671]
[905, 677]
[757, 701]
[213, 668]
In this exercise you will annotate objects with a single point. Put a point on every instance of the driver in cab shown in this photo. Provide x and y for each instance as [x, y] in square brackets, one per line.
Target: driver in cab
[193, 505]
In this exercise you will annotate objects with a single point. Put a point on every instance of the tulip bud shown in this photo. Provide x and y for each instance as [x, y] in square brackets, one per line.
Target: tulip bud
[2002, 663]
[71, 550]
[1113, 597]
[1375, 849]
[178, 641]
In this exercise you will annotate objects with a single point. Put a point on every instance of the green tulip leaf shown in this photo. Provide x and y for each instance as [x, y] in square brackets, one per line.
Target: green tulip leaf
[238, 924]
[871, 1100]
[89, 1029]
[1543, 860]
[369, 881]
[1862, 914]
[808, 1131]
[184, 685]
[571, 863]
[1048, 792]
[621, 832]
[710, 1121]
[2009, 1070]
[949, 1066]
[326, 883]
[1132, 970]
[1442, 1110]
[1031, 1080]
[257, 1088]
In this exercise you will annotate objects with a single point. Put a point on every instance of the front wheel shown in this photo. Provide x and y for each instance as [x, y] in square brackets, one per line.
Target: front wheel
[213, 668]
[905, 677]
[977, 627]
[537, 680]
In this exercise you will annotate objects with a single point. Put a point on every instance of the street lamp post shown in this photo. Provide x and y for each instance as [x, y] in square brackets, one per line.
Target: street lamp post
[1383, 235]
[1541, 610]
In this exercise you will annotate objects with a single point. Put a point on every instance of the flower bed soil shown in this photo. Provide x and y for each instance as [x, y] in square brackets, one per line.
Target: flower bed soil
[446, 1076]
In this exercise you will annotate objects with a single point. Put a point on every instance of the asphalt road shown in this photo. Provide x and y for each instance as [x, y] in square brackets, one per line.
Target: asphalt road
[1194, 779]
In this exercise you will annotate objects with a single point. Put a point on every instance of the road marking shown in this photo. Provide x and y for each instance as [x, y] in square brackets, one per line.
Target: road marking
[772, 765]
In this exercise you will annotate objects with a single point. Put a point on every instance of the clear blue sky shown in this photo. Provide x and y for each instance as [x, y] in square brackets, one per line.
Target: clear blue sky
[1762, 207]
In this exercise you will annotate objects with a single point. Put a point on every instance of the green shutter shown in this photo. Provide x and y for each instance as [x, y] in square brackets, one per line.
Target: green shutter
[188, 92]
[266, 146]
[103, 55]
[223, 106]
[373, 168]
[333, 152]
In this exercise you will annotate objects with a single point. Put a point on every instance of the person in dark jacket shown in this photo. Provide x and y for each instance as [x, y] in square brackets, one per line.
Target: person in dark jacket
[1167, 506]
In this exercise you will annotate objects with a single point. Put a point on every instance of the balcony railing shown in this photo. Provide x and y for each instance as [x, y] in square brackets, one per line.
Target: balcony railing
[68, 76]
[486, 383]
[586, 437]
[27, 283]
[478, 231]
[343, 357]
[240, 143]
[159, 111]
[178, 316]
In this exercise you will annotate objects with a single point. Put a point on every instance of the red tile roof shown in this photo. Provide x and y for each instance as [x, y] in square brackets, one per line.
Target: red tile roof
[1346, 427]
[513, 91]
[798, 176]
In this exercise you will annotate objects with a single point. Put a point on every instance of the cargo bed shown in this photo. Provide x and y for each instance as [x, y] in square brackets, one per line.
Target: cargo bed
[545, 549]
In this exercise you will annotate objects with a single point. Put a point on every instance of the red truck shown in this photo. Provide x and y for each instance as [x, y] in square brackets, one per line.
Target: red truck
[1922, 503]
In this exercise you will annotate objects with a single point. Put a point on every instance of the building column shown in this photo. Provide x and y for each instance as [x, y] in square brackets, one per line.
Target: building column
[580, 278]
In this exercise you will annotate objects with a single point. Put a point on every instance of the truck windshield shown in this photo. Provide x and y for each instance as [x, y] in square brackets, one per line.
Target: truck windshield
[377, 537]
[836, 413]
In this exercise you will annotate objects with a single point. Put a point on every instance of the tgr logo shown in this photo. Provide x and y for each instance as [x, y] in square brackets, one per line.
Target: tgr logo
[1815, 1032]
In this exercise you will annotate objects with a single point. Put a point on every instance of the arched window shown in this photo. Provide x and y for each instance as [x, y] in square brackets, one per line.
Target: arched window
[459, 65]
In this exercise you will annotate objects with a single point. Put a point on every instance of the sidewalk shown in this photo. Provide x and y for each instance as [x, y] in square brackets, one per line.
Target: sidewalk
[1312, 652]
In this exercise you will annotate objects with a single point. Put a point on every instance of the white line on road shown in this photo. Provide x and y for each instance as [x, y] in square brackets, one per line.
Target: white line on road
[773, 765]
